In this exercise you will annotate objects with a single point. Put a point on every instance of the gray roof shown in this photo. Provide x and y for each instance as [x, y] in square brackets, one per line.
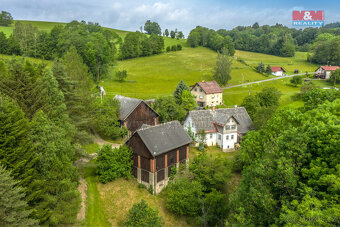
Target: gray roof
[205, 119]
[128, 105]
[164, 137]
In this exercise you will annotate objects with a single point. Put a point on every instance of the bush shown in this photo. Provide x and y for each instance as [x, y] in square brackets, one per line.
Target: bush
[184, 197]
[174, 48]
[168, 49]
[141, 215]
[121, 75]
[179, 47]
[296, 80]
[114, 163]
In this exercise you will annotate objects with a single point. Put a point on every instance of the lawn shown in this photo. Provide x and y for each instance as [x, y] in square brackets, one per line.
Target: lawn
[121, 194]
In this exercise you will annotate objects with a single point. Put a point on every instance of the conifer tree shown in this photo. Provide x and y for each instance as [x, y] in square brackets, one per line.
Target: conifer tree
[181, 86]
[14, 210]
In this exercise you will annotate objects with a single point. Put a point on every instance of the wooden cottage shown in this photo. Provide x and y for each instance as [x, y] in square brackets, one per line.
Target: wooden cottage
[135, 112]
[156, 149]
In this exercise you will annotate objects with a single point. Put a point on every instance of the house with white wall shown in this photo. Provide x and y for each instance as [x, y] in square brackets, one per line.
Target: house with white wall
[325, 71]
[223, 127]
[278, 71]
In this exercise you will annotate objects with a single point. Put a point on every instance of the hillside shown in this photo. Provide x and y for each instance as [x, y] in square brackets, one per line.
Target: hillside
[47, 26]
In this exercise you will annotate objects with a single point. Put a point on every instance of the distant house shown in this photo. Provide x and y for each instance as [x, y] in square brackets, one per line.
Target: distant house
[223, 127]
[207, 93]
[135, 112]
[278, 71]
[156, 149]
[325, 71]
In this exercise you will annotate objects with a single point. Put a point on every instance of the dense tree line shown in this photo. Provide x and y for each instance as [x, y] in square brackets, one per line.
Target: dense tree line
[326, 50]
[201, 36]
[96, 46]
[6, 18]
[137, 44]
[290, 168]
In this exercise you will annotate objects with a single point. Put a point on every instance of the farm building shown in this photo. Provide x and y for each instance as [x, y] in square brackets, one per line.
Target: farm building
[156, 149]
[223, 127]
[135, 112]
[278, 71]
[207, 93]
[325, 71]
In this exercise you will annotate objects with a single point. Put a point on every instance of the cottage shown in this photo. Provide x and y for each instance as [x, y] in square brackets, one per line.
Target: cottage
[207, 93]
[135, 112]
[156, 149]
[325, 71]
[278, 71]
[223, 127]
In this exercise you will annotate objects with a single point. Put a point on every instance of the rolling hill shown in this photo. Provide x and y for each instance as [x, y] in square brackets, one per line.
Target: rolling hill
[158, 75]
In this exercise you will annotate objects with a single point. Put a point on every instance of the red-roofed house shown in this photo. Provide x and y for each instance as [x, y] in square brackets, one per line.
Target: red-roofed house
[325, 71]
[207, 93]
[278, 71]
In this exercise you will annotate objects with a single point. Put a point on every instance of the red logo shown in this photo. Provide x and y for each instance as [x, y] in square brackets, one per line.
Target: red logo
[308, 15]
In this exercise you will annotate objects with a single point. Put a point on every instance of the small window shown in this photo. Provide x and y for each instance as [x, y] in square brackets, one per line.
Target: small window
[201, 97]
[233, 127]
[195, 89]
[219, 137]
[232, 137]
[213, 97]
[227, 137]
[227, 127]
[201, 90]
[211, 136]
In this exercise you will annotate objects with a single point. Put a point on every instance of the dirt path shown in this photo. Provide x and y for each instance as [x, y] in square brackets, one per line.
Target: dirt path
[82, 188]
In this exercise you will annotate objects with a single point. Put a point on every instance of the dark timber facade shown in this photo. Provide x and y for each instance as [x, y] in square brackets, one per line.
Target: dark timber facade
[135, 112]
[156, 149]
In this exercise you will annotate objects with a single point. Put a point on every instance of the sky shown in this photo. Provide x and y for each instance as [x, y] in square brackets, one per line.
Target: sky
[181, 14]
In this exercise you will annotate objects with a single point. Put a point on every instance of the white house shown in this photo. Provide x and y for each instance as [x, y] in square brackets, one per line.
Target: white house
[223, 127]
[325, 71]
[278, 71]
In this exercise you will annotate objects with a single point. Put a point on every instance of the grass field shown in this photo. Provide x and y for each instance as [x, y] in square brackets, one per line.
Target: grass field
[155, 76]
[288, 63]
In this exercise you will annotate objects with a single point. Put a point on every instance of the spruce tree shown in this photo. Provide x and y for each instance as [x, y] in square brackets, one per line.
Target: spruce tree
[181, 86]
[223, 67]
[14, 210]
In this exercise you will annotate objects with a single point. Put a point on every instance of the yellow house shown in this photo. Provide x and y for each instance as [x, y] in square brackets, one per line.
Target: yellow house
[207, 93]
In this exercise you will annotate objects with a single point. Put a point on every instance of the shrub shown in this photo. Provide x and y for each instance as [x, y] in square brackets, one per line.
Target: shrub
[141, 215]
[168, 49]
[184, 197]
[174, 48]
[114, 163]
[121, 75]
[179, 47]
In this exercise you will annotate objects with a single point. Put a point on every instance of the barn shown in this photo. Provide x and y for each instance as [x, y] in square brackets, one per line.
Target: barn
[156, 149]
[135, 112]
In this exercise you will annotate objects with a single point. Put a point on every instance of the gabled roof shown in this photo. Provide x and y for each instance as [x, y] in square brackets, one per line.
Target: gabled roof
[164, 137]
[209, 87]
[329, 68]
[206, 119]
[128, 105]
[277, 68]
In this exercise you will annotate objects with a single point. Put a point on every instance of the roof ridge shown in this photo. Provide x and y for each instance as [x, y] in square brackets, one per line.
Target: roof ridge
[153, 126]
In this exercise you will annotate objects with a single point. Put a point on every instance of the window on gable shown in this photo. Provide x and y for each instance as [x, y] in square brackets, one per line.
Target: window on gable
[201, 90]
[233, 127]
[195, 89]
[227, 127]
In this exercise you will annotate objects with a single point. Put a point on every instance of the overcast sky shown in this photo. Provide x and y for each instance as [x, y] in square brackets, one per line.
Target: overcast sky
[171, 14]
